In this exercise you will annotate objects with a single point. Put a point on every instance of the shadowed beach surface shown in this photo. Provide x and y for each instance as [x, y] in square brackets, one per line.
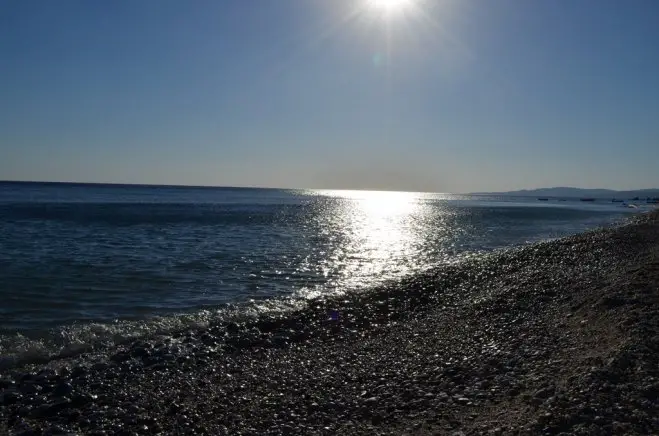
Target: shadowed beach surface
[558, 337]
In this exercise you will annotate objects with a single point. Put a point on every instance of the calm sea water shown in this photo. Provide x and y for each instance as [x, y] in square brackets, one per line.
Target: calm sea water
[78, 262]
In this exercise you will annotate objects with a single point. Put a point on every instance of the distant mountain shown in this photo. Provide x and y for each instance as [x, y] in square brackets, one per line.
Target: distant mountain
[579, 192]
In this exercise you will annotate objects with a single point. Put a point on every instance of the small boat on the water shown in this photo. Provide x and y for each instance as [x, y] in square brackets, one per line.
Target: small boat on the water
[543, 199]
[617, 201]
[587, 199]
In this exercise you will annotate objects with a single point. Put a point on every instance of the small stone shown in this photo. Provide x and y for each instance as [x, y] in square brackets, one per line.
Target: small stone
[139, 352]
[120, 357]
[9, 398]
[100, 366]
[543, 393]
[232, 327]
[174, 409]
[7, 384]
[81, 400]
[545, 417]
[158, 366]
[25, 410]
[58, 406]
[57, 430]
[26, 377]
[30, 389]
[78, 371]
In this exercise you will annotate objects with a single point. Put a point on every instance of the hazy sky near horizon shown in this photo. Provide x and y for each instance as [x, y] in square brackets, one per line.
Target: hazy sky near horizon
[435, 95]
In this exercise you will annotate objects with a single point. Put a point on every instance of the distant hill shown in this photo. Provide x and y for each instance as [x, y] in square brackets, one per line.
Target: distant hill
[579, 192]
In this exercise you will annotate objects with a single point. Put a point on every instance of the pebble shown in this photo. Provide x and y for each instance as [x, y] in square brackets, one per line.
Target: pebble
[9, 398]
[63, 389]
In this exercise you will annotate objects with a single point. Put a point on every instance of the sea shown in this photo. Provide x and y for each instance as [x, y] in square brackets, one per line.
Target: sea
[86, 263]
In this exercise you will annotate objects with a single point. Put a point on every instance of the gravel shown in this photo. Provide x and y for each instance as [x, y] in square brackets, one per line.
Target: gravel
[553, 338]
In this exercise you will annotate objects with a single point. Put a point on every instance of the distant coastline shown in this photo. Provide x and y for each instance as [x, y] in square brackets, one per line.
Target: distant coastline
[577, 192]
[557, 192]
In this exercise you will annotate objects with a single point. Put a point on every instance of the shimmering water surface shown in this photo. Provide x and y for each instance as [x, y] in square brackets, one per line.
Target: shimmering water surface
[80, 255]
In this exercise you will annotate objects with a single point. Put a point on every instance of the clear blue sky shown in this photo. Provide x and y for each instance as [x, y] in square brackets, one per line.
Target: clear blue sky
[444, 95]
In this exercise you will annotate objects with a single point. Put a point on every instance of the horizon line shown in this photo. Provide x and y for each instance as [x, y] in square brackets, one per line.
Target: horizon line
[165, 185]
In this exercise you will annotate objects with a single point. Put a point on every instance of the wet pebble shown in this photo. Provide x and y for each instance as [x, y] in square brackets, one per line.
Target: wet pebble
[9, 398]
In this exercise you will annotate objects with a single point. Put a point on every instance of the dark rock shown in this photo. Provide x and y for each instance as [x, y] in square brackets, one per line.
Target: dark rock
[100, 366]
[78, 371]
[120, 357]
[151, 360]
[63, 389]
[28, 432]
[30, 389]
[158, 366]
[209, 340]
[543, 393]
[174, 409]
[56, 431]
[140, 352]
[7, 384]
[25, 410]
[26, 377]
[9, 398]
[52, 409]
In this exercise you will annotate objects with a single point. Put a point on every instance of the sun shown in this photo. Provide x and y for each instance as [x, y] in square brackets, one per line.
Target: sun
[389, 5]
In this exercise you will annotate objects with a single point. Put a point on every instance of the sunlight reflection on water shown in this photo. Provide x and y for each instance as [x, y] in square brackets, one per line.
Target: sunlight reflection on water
[374, 236]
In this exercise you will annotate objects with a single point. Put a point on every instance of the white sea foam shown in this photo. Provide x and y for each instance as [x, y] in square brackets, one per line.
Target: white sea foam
[69, 341]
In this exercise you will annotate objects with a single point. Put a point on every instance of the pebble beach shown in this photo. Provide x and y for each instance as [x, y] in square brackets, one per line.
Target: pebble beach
[558, 337]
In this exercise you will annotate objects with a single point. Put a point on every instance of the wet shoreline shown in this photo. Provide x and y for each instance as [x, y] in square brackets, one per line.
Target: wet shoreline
[554, 337]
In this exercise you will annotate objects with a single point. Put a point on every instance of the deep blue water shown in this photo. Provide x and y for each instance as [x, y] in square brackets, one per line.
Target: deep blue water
[82, 261]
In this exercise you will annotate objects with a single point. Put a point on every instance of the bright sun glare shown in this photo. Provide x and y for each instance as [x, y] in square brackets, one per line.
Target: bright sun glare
[389, 5]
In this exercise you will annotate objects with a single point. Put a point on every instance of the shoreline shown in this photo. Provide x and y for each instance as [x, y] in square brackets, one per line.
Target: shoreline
[92, 339]
[554, 337]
